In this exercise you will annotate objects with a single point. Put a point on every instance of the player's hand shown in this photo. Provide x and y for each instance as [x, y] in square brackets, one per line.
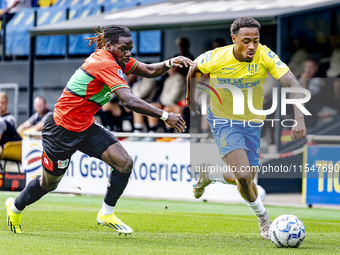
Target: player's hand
[299, 131]
[193, 105]
[179, 61]
[176, 121]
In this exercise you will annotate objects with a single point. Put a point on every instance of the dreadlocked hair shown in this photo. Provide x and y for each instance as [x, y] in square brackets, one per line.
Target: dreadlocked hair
[110, 34]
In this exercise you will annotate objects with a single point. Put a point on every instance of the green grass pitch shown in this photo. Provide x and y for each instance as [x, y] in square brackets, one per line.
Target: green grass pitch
[61, 224]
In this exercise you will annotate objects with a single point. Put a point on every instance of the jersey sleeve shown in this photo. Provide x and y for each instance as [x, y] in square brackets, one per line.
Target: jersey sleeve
[112, 75]
[274, 65]
[204, 62]
[131, 66]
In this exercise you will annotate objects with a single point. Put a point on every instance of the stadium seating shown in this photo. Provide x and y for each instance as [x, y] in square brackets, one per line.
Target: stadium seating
[77, 45]
[3, 4]
[46, 3]
[66, 3]
[116, 5]
[51, 45]
[17, 38]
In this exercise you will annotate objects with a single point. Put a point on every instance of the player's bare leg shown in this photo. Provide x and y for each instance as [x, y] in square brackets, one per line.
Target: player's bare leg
[207, 173]
[49, 182]
[121, 164]
[241, 174]
[245, 174]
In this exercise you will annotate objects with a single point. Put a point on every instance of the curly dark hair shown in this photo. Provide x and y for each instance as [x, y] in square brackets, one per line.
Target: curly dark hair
[243, 22]
[110, 34]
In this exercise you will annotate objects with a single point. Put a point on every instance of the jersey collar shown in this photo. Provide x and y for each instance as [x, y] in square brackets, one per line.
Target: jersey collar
[106, 52]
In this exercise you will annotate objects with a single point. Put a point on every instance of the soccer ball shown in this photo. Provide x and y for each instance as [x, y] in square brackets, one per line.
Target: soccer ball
[287, 231]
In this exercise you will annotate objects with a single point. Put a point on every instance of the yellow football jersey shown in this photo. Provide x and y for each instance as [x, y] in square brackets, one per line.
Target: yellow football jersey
[225, 69]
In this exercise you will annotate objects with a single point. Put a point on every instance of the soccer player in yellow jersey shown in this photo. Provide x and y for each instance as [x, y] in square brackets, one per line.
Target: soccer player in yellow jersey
[245, 64]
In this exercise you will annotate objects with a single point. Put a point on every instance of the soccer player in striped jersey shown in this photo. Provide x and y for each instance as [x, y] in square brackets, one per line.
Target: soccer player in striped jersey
[245, 64]
[72, 126]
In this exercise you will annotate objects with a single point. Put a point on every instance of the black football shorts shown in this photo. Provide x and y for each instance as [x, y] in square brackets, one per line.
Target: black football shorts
[59, 144]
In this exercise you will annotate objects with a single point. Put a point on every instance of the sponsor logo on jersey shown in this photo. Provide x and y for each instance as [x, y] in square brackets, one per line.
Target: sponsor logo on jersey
[120, 73]
[279, 63]
[252, 68]
[238, 82]
[228, 68]
[62, 163]
[108, 95]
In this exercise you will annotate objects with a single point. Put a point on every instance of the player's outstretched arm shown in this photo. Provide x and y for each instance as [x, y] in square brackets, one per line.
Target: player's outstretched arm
[138, 105]
[23, 126]
[191, 87]
[158, 69]
[299, 131]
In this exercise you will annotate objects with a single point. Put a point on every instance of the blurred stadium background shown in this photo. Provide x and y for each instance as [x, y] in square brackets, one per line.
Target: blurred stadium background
[43, 46]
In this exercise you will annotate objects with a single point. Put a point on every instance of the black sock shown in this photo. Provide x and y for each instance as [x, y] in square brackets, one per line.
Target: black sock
[116, 185]
[33, 192]
[170, 130]
[138, 129]
[153, 129]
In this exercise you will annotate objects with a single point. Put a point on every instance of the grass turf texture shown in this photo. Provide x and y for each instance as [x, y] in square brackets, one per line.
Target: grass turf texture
[67, 225]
